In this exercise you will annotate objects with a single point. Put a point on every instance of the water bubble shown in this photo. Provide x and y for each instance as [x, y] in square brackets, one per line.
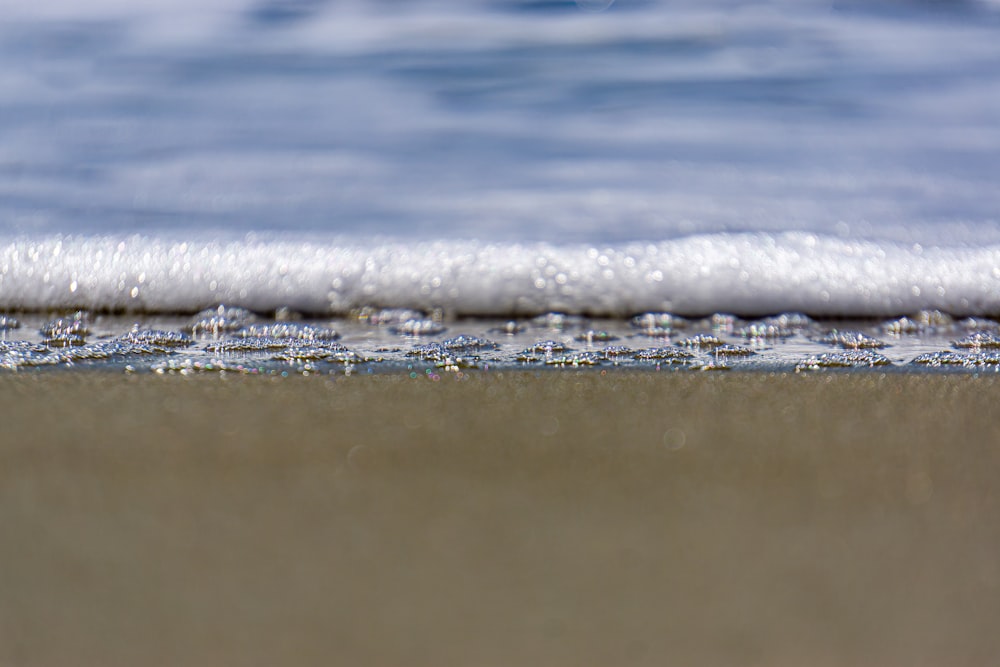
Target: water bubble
[702, 341]
[418, 328]
[220, 319]
[785, 325]
[669, 355]
[387, 316]
[64, 339]
[576, 359]
[617, 352]
[980, 323]
[289, 330]
[943, 358]
[658, 324]
[444, 357]
[189, 366]
[457, 363]
[969, 360]
[713, 365]
[22, 354]
[903, 325]
[732, 351]
[559, 321]
[723, 323]
[978, 340]
[848, 359]
[546, 347]
[466, 342]
[305, 353]
[77, 324]
[982, 358]
[510, 328]
[924, 321]
[430, 351]
[591, 336]
[244, 345]
[156, 338]
[852, 340]
[933, 318]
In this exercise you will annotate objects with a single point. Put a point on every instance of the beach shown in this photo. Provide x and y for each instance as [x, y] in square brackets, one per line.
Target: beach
[538, 333]
[494, 518]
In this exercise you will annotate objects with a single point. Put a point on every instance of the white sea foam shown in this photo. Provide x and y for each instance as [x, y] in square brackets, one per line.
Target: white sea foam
[748, 274]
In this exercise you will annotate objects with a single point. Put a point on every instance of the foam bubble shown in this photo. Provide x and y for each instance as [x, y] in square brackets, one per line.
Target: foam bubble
[748, 274]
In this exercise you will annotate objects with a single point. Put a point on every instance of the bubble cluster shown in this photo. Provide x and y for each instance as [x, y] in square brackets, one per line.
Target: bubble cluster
[510, 328]
[221, 319]
[546, 347]
[304, 353]
[978, 340]
[576, 359]
[702, 341]
[416, 328]
[77, 324]
[189, 366]
[224, 339]
[466, 342]
[848, 359]
[658, 324]
[156, 338]
[851, 340]
[781, 326]
[242, 345]
[22, 354]
[292, 330]
[387, 316]
[559, 321]
[727, 350]
[710, 365]
[663, 354]
[979, 324]
[922, 322]
[947, 358]
[591, 336]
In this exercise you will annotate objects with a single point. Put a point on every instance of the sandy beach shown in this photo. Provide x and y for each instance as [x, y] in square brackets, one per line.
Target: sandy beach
[529, 518]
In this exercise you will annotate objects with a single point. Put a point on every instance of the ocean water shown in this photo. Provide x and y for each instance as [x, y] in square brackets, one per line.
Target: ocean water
[501, 158]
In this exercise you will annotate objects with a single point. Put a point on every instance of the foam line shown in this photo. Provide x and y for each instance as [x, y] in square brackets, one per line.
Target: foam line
[746, 274]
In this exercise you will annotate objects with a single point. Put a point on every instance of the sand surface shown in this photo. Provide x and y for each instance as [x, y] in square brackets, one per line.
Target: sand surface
[502, 519]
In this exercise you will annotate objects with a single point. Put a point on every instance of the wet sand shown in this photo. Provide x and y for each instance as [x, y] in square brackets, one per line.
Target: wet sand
[502, 519]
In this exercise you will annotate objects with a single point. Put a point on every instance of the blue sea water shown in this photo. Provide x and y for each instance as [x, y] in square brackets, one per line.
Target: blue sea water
[501, 157]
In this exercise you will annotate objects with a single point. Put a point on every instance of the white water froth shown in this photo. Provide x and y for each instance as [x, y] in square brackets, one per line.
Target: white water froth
[746, 274]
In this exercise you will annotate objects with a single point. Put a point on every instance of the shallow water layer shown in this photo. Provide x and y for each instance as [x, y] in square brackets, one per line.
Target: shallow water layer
[228, 339]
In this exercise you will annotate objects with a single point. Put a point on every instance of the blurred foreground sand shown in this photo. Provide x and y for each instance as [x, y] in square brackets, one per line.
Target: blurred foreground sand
[552, 518]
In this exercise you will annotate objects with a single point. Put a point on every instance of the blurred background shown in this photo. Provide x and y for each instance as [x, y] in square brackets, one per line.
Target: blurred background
[506, 120]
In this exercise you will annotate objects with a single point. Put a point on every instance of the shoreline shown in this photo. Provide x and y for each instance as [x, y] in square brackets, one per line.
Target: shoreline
[390, 341]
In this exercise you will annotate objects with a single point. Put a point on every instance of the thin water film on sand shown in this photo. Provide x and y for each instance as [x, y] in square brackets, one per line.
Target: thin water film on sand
[376, 340]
